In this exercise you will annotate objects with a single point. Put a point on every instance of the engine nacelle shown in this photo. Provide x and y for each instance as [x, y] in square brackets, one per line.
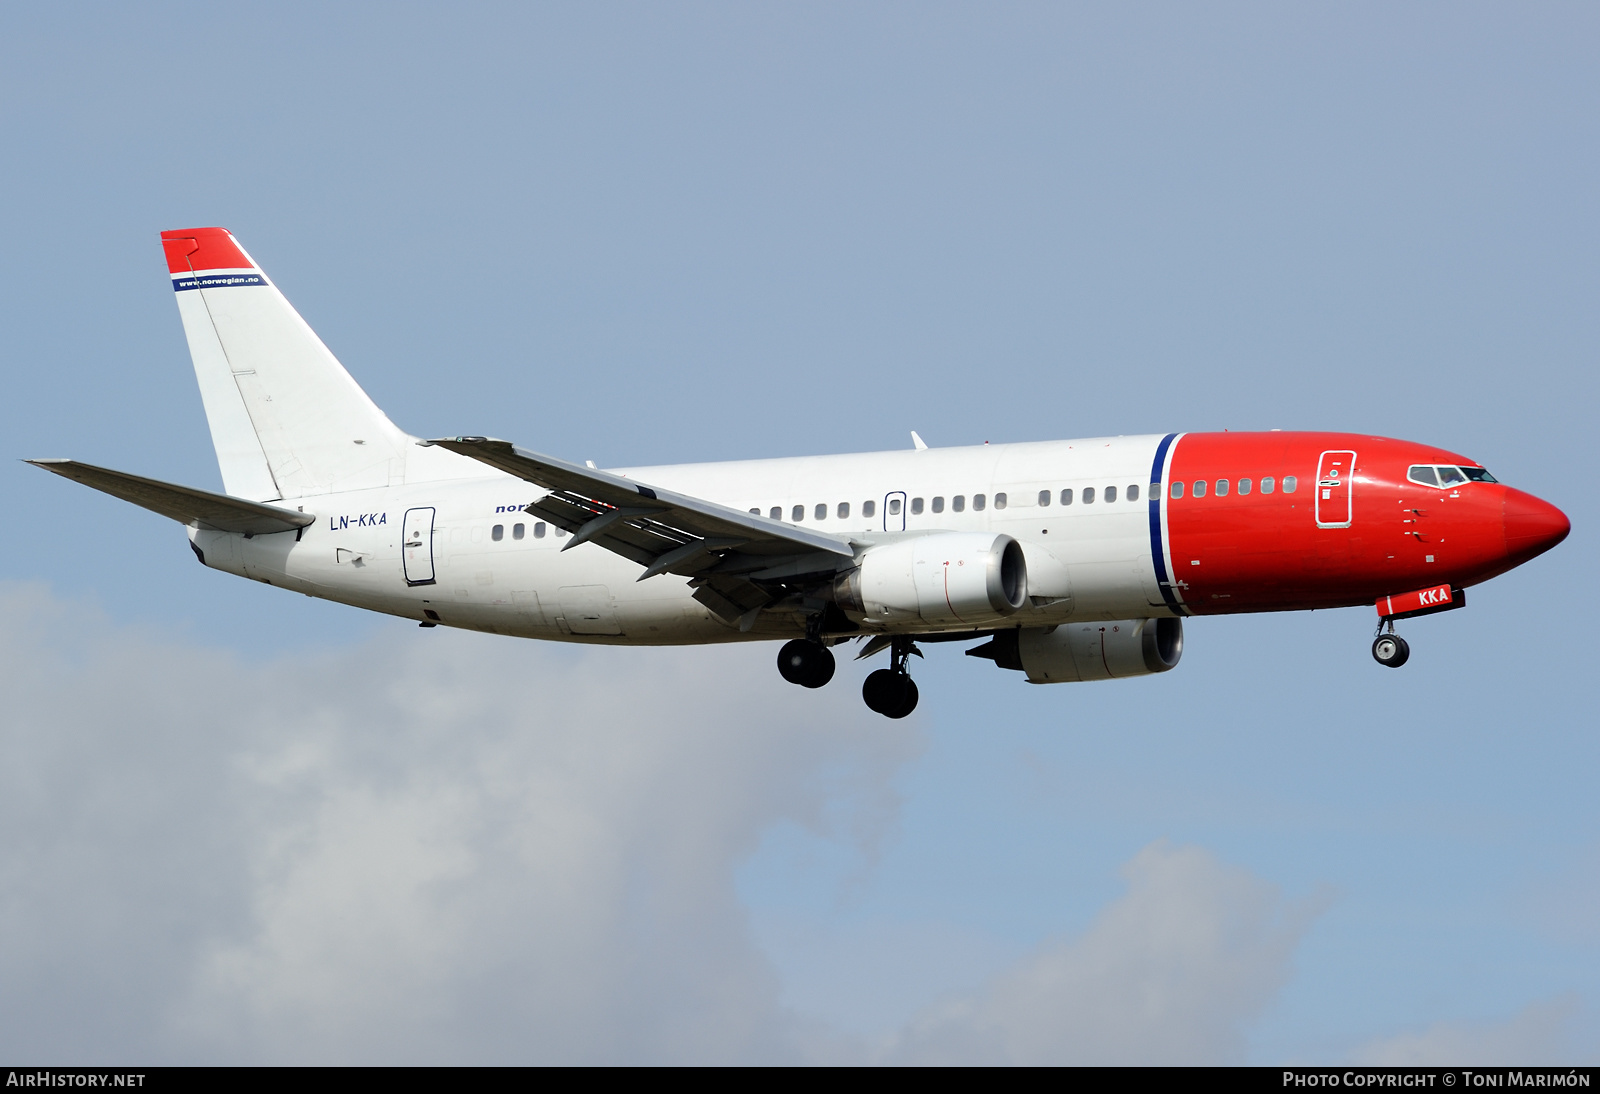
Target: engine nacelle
[948, 578]
[1088, 651]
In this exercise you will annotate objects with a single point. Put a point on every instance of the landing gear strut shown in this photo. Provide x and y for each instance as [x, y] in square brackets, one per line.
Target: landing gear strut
[891, 691]
[1389, 649]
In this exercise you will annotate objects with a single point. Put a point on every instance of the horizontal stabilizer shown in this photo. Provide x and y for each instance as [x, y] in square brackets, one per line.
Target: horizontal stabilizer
[182, 503]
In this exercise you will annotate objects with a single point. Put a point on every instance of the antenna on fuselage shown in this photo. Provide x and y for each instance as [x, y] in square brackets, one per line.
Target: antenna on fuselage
[917, 442]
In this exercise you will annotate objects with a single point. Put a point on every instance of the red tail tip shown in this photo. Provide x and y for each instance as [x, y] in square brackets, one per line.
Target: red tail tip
[191, 249]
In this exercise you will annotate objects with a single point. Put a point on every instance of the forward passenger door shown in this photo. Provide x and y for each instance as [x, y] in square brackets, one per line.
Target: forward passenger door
[1333, 502]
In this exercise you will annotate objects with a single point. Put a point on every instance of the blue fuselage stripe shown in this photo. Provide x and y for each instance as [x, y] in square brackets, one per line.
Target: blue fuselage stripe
[1158, 554]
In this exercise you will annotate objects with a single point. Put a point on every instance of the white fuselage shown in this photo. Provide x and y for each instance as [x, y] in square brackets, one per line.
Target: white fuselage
[1084, 561]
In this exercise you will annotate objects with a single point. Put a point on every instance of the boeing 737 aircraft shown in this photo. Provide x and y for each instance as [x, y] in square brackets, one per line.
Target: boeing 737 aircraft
[1067, 560]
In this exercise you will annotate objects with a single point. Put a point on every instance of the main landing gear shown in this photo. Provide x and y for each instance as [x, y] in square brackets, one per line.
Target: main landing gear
[1389, 649]
[806, 662]
[891, 692]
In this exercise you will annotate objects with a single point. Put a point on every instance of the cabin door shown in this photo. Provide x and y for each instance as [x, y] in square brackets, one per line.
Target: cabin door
[1334, 474]
[416, 546]
[894, 511]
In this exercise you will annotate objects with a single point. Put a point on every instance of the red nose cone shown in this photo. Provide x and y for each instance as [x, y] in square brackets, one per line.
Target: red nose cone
[1532, 526]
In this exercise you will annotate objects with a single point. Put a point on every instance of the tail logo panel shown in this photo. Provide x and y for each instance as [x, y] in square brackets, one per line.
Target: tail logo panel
[221, 280]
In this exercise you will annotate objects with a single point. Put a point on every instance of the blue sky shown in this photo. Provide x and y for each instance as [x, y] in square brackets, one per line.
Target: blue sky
[641, 234]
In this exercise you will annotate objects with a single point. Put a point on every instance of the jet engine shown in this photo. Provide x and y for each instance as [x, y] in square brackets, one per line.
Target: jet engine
[1088, 651]
[948, 578]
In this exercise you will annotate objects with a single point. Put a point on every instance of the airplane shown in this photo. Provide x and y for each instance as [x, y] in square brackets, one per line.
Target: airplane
[1066, 561]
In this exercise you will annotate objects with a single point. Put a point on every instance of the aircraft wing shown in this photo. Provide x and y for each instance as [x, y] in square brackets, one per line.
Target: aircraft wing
[739, 562]
[182, 503]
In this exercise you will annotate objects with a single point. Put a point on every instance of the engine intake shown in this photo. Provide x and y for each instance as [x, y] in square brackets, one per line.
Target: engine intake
[942, 579]
[1088, 651]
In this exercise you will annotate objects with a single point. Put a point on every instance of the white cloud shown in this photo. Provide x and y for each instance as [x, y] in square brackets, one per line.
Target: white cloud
[1170, 973]
[439, 847]
[1541, 1033]
[431, 847]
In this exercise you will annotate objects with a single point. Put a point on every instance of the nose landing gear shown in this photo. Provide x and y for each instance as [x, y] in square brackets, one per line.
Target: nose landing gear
[1390, 650]
[891, 691]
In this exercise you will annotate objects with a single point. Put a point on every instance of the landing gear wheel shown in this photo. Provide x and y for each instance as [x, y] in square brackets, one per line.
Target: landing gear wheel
[809, 664]
[1390, 650]
[908, 702]
[885, 693]
[891, 692]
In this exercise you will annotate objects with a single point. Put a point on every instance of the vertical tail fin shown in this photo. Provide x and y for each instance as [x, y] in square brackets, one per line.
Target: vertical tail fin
[287, 420]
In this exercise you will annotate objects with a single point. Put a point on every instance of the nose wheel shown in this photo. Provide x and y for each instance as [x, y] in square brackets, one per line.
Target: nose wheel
[891, 692]
[1390, 650]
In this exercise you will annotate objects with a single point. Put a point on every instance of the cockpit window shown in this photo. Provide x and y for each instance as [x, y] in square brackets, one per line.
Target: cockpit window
[1448, 476]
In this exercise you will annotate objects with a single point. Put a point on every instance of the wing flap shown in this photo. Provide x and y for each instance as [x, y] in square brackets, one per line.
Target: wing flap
[738, 563]
[663, 521]
[183, 504]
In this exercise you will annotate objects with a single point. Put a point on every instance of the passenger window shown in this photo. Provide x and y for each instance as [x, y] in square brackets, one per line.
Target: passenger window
[776, 512]
[978, 502]
[1222, 488]
[1422, 475]
[517, 530]
[755, 512]
[797, 514]
[1267, 484]
[1290, 484]
[869, 508]
[1111, 494]
[938, 505]
[894, 507]
[1066, 496]
[1200, 488]
[1088, 495]
[844, 510]
[498, 532]
[821, 511]
[1244, 486]
[1448, 476]
[999, 501]
[916, 507]
[1133, 492]
[538, 530]
[958, 503]
[561, 533]
[1177, 489]
[1044, 499]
